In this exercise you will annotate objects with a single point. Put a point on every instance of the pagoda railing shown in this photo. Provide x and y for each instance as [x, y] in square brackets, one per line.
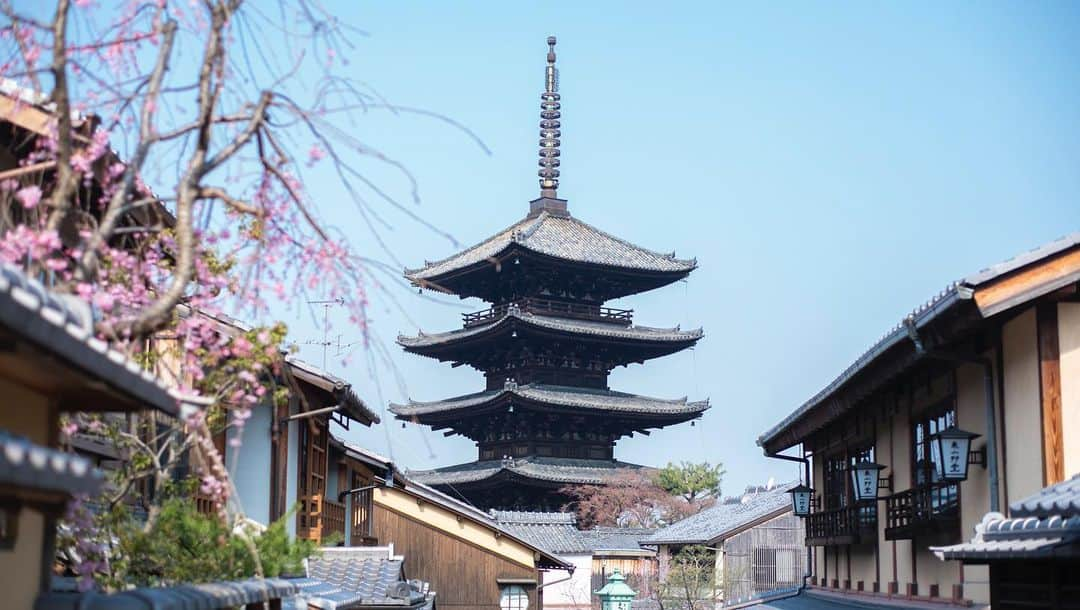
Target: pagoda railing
[563, 309]
[922, 509]
[847, 525]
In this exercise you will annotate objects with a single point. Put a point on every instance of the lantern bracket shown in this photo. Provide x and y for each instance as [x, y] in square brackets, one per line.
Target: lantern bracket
[885, 483]
[977, 456]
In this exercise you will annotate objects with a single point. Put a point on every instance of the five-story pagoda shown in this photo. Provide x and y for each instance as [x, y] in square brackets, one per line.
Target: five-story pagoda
[547, 417]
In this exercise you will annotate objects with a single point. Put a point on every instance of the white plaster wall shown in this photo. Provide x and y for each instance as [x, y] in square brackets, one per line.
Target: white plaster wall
[863, 567]
[1023, 413]
[249, 464]
[975, 491]
[574, 593]
[1069, 345]
[902, 480]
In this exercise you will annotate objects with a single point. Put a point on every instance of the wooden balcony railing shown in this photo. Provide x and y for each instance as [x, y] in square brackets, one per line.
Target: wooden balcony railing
[848, 525]
[333, 520]
[362, 521]
[580, 311]
[922, 509]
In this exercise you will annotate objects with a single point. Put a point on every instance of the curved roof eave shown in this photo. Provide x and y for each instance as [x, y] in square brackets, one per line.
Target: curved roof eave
[602, 401]
[597, 329]
[561, 237]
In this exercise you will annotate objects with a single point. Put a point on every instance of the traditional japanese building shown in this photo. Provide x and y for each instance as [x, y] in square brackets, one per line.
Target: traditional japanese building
[547, 417]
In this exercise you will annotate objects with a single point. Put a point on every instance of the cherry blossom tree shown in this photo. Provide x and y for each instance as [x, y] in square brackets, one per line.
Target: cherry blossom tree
[631, 498]
[167, 186]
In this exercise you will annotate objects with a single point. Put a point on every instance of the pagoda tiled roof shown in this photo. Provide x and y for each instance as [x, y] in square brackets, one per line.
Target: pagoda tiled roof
[584, 398]
[569, 325]
[562, 237]
[552, 470]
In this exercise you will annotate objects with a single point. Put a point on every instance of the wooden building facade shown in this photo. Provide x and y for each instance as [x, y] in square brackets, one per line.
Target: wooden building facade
[470, 560]
[757, 547]
[996, 354]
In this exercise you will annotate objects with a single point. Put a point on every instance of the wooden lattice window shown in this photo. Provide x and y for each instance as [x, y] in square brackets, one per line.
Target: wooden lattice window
[836, 495]
[311, 487]
[923, 451]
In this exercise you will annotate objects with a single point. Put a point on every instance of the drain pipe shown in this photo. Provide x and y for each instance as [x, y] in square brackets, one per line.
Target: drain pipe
[991, 409]
[809, 550]
[569, 575]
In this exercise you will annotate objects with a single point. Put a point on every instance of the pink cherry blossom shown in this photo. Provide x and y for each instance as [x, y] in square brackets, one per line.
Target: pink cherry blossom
[29, 196]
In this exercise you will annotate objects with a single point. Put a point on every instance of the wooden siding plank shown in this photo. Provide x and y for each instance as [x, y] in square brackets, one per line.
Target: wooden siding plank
[462, 574]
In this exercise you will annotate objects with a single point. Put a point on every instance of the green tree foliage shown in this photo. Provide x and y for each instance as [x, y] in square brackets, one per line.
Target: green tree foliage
[690, 582]
[691, 481]
[186, 546]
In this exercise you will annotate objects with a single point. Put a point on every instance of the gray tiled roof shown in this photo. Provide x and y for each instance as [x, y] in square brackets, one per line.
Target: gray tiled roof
[534, 517]
[581, 327]
[556, 532]
[585, 398]
[1061, 499]
[559, 533]
[617, 538]
[348, 577]
[953, 294]
[723, 518]
[342, 390]
[1046, 524]
[561, 237]
[25, 465]
[64, 326]
[211, 596]
[557, 470]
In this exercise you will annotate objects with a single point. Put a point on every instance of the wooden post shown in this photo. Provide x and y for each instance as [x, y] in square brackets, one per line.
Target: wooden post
[1050, 393]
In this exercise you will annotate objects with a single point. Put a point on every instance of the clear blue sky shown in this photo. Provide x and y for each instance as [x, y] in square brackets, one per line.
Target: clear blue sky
[831, 166]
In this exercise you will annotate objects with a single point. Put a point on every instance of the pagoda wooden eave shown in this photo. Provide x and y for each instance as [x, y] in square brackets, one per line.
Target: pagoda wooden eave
[555, 240]
[620, 281]
[549, 473]
[639, 342]
[553, 399]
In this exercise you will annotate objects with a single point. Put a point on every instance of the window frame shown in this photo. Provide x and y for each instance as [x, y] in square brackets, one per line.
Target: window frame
[519, 593]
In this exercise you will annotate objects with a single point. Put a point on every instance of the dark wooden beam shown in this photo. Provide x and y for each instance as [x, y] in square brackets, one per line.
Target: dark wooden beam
[1050, 393]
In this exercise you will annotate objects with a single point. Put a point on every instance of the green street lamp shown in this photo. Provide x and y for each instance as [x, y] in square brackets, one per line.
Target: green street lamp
[616, 594]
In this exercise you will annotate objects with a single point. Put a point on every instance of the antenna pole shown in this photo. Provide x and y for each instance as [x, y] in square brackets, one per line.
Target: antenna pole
[326, 323]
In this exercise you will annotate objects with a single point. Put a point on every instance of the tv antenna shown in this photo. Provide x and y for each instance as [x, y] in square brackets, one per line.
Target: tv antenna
[325, 343]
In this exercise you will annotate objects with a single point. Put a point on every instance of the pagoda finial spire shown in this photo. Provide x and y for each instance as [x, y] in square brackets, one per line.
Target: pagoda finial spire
[549, 127]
